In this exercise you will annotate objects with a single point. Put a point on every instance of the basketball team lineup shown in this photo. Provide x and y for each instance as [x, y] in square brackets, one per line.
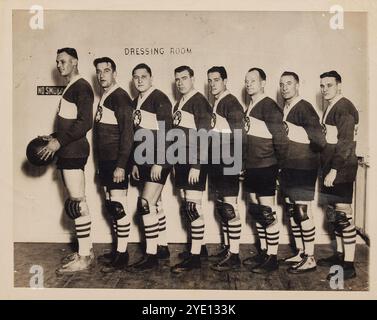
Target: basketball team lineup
[225, 143]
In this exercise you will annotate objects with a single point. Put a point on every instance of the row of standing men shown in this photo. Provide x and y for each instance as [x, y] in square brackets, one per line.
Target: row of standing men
[290, 144]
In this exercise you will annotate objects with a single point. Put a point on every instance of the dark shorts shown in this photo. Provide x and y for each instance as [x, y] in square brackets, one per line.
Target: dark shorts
[339, 193]
[106, 170]
[71, 163]
[145, 174]
[261, 181]
[297, 184]
[224, 185]
[181, 177]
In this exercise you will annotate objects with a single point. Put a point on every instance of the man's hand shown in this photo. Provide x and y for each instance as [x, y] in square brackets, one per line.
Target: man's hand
[50, 149]
[119, 175]
[156, 172]
[46, 138]
[135, 173]
[329, 180]
[193, 176]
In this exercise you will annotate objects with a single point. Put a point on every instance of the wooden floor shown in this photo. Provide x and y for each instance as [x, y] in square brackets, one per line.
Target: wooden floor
[48, 255]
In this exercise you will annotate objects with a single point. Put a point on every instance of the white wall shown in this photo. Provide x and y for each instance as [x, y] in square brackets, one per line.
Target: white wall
[274, 41]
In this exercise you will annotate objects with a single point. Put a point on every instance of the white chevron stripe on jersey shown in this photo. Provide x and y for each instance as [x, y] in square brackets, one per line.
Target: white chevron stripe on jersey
[258, 128]
[297, 133]
[148, 120]
[67, 110]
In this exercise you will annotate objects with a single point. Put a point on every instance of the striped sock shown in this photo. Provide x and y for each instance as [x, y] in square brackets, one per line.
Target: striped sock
[349, 241]
[234, 229]
[296, 230]
[262, 236]
[272, 239]
[197, 235]
[162, 241]
[224, 228]
[308, 234]
[83, 226]
[113, 221]
[123, 231]
[339, 242]
[151, 230]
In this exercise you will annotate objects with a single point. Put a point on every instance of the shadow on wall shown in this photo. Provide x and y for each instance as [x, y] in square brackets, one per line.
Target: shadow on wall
[31, 170]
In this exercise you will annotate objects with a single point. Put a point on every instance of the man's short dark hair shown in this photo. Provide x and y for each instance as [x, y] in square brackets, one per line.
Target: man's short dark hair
[106, 60]
[293, 74]
[71, 51]
[184, 68]
[262, 74]
[142, 66]
[332, 74]
[219, 69]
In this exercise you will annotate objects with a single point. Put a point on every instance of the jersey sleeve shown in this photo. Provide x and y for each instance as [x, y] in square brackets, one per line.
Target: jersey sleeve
[345, 124]
[273, 118]
[310, 122]
[123, 113]
[202, 116]
[83, 98]
[164, 114]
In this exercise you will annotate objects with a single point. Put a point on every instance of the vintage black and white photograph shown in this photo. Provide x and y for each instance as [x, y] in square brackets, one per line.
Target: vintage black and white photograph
[223, 150]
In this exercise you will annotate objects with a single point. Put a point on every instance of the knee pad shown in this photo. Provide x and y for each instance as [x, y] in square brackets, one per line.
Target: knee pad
[225, 210]
[108, 205]
[330, 214]
[262, 214]
[300, 212]
[191, 211]
[341, 221]
[290, 209]
[142, 206]
[116, 210]
[75, 208]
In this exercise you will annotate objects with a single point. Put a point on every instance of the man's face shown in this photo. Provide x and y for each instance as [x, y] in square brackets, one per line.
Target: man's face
[184, 82]
[65, 63]
[288, 87]
[216, 84]
[253, 83]
[105, 74]
[142, 80]
[329, 88]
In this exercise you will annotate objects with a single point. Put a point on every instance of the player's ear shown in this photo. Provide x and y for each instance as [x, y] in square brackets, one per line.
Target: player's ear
[225, 81]
[115, 74]
[339, 87]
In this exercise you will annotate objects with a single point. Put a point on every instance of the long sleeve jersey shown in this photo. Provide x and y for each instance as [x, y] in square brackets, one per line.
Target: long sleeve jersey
[114, 126]
[154, 107]
[191, 114]
[340, 120]
[306, 137]
[228, 115]
[75, 119]
[266, 138]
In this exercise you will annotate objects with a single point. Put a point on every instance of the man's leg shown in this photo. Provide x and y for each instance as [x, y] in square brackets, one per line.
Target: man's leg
[267, 217]
[74, 181]
[77, 209]
[147, 208]
[343, 224]
[122, 217]
[193, 210]
[302, 216]
[162, 244]
[273, 230]
[296, 231]
[119, 212]
[230, 217]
